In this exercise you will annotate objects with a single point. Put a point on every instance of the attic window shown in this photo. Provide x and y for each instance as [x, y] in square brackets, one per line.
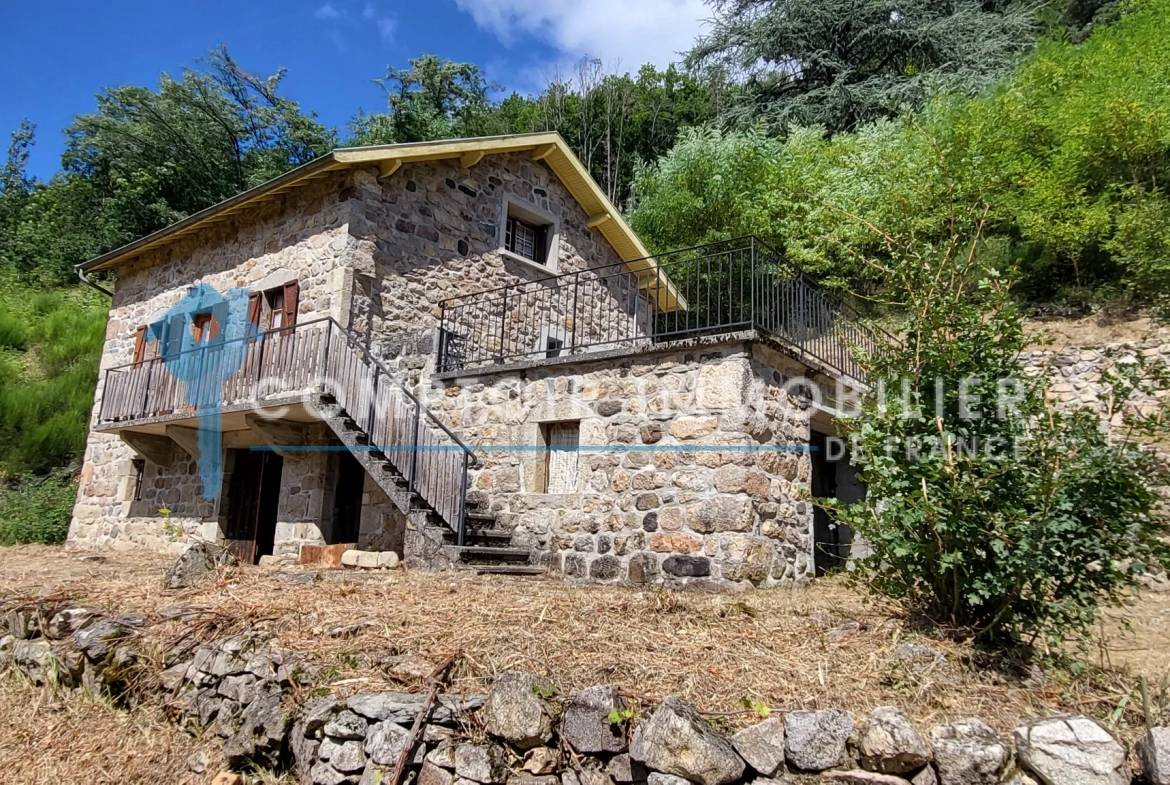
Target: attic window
[529, 235]
[527, 240]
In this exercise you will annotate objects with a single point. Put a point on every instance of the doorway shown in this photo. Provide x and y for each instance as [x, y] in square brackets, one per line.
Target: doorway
[347, 499]
[833, 477]
[253, 499]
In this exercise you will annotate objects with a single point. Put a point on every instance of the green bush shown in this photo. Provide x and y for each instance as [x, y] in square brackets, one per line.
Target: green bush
[13, 333]
[37, 510]
[992, 513]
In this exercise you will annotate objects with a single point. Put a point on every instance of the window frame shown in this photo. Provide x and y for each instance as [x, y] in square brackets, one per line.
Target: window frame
[527, 213]
[546, 432]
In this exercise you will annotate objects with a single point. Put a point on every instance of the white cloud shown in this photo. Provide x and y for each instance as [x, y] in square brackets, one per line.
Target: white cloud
[630, 31]
[387, 25]
[327, 12]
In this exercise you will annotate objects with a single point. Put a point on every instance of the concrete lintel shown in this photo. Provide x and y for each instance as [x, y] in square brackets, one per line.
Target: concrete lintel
[276, 433]
[156, 449]
[187, 438]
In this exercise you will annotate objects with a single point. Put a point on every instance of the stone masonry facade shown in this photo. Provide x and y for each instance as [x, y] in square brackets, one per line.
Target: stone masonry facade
[691, 464]
[380, 255]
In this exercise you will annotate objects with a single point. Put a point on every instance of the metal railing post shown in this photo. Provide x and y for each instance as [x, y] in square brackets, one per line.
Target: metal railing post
[503, 321]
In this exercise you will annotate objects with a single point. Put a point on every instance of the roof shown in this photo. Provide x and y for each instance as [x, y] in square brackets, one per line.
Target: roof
[549, 147]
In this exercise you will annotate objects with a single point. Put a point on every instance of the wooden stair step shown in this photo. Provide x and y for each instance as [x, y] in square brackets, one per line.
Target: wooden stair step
[491, 552]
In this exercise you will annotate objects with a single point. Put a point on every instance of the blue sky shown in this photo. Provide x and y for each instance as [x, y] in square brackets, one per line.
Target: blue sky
[58, 56]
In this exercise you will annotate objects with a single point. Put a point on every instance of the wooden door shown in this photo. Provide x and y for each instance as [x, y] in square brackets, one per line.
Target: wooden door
[347, 499]
[253, 497]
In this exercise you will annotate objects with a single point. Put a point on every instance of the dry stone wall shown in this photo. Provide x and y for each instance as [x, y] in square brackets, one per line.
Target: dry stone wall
[272, 714]
[693, 464]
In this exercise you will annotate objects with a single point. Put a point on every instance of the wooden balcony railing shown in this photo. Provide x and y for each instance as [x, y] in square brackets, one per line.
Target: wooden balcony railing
[312, 358]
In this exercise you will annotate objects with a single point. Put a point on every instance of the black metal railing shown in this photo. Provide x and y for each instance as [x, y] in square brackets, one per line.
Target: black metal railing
[714, 289]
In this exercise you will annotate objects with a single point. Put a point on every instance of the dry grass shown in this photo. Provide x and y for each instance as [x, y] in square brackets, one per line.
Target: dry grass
[817, 648]
[54, 737]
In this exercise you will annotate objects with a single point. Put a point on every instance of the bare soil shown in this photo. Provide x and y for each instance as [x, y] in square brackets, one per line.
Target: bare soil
[824, 646]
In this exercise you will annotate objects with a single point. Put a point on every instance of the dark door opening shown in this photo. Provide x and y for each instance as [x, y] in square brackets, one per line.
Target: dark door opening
[253, 498]
[832, 542]
[347, 499]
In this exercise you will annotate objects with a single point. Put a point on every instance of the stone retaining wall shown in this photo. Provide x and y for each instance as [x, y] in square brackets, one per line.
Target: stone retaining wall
[523, 731]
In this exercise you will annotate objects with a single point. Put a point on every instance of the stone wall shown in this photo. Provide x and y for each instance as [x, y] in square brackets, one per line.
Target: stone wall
[693, 464]
[1074, 375]
[253, 693]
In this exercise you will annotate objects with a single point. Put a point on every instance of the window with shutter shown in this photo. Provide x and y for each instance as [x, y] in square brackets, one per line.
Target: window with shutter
[529, 234]
[140, 344]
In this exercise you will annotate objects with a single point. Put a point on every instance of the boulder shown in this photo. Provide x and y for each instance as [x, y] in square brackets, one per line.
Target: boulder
[430, 774]
[890, 744]
[623, 768]
[385, 743]
[261, 737]
[304, 751]
[762, 745]
[1153, 752]
[515, 712]
[324, 774]
[543, 760]
[585, 777]
[348, 757]
[69, 621]
[676, 740]
[98, 640]
[968, 752]
[484, 763]
[587, 726]
[926, 777]
[403, 707]
[345, 726]
[657, 778]
[525, 778]
[1070, 749]
[197, 561]
[862, 777]
[815, 740]
[317, 712]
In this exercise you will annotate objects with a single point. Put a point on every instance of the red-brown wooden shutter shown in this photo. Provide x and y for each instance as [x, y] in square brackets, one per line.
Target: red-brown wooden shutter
[292, 292]
[140, 344]
[254, 307]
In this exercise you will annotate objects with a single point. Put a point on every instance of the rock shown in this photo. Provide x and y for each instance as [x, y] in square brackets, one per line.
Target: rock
[197, 762]
[317, 712]
[587, 725]
[136, 620]
[515, 712]
[485, 763]
[324, 774]
[762, 745]
[241, 689]
[23, 624]
[657, 778]
[402, 707]
[98, 639]
[682, 566]
[260, 739]
[430, 774]
[227, 778]
[348, 757]
[863, 777]
[1070, 749]
[387, 560]
[444, 754]
[585, 777]
[1153, 752]
[35, 658]
[889, 743]
[542, 760]
[927, 777]
[676, 740]
[69, 621]
[300, 578]
[304, 752]
[524, 778]
[172, 678]
[815, 740]
[385, 742]
[623, 768]
[200, 559]
[346, 725]
[968, 752]
[1019, 778]
[407, 666]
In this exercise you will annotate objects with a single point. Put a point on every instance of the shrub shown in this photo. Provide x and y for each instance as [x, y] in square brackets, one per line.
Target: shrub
[990, 512]
[37, 509]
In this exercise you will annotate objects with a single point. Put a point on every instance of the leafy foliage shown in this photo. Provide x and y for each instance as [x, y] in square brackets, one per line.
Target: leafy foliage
[37, 510]
[842, 63]
[988, 510]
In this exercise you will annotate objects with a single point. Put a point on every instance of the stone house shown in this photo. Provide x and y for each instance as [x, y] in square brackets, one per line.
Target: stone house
[458, 351]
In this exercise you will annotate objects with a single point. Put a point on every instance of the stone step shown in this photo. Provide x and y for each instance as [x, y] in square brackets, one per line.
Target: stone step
[504, 569]
[491, 535]
[475, 553]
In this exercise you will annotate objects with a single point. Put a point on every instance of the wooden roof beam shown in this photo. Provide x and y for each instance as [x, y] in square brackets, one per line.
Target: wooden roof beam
[540, 152]
[597, 220]
[389, 167]
[471, 158]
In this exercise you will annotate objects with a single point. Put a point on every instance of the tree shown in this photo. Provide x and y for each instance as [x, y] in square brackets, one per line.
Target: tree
[15, 185]
[988, 510]
[432, 99]
[841, 63]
